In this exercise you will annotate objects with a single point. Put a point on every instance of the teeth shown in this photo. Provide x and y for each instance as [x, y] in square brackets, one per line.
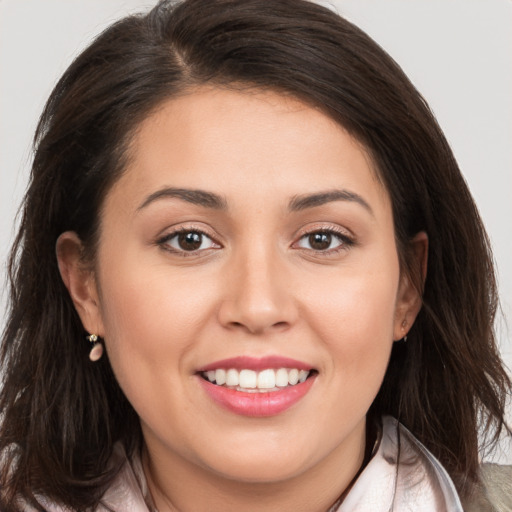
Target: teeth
[303, 375]
[248, 379]
[220, 377]
[282, 378]
[269, 379]
[232, 378]
[293, 377]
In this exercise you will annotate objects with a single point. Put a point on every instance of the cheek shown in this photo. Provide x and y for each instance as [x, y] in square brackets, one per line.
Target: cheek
[150, 317]
[151, 323]
[354, 317]
[150, 307]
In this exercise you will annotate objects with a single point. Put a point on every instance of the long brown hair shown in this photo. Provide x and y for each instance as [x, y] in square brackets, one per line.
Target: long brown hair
[61, 414]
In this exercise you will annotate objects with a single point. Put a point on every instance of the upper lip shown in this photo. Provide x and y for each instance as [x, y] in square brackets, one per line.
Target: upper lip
[256, 363]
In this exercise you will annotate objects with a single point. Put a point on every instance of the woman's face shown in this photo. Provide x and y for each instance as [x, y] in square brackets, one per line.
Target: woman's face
[249, 239]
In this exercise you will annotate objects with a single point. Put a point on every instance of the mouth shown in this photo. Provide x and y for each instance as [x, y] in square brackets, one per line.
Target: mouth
[251, 381]
[257, 387]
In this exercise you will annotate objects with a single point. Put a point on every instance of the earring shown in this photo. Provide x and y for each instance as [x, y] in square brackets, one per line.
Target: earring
[404, 338]
[97, 348]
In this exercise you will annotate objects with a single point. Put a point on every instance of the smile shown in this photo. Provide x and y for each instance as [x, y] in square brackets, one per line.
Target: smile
[251, 381]
[256, 387]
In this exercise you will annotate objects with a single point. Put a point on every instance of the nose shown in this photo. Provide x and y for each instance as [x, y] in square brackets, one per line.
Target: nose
[258, 294]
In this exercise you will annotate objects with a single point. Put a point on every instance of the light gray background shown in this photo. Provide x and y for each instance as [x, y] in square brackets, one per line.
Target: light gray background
[458, 53]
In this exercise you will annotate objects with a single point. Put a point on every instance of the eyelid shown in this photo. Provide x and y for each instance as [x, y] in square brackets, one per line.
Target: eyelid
[173, 231]
[325, 227]
[347, 238]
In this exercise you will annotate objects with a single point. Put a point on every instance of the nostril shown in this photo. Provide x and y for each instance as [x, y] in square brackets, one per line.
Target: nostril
[256, 316]
[255, 328]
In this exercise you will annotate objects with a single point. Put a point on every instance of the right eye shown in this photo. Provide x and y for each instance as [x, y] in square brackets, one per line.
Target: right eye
[187, 241]
[326, 241]
[321, 241]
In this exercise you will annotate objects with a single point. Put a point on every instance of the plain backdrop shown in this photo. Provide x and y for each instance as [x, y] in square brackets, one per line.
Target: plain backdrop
[458, 53]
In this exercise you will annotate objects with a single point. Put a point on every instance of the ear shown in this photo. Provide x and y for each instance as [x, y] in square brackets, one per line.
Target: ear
[409, 298]
[80, 282]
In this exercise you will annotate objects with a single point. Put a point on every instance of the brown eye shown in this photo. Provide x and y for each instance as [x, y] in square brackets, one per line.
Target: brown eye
[324, 241]
[187, 242]
[190, 241]
[320, 241]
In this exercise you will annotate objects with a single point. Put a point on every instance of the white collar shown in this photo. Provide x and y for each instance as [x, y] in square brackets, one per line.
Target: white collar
[402, 475]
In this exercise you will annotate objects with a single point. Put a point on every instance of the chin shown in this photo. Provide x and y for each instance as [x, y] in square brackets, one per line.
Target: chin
[259, 463]
[266, 471]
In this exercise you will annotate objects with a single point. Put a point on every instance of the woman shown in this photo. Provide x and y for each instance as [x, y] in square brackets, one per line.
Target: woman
[252, 212]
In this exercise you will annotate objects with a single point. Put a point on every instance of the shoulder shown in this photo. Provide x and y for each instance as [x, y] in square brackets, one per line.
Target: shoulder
[127, 493]
[494, 494]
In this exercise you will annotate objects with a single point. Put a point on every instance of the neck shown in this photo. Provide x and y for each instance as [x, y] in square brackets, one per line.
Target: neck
[178, 485]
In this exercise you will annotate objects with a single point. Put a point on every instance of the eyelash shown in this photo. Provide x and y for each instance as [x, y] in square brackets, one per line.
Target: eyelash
[163, 242]
[345, 241]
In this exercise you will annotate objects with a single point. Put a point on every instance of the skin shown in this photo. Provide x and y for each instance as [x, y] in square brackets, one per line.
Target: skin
[255, 287]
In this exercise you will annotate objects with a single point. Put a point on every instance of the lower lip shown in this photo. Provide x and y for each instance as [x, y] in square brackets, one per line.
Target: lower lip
[257, 404]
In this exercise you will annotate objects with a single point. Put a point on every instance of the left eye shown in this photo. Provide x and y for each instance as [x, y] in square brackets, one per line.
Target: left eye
[189, 241]
[321, 241]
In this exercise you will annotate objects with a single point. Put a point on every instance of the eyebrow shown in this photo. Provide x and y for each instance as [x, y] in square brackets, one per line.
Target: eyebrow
[194, 196]
[216, 202]
[305, 201]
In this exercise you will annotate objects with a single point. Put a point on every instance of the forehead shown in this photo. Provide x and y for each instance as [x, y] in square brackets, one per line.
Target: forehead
[227, 141]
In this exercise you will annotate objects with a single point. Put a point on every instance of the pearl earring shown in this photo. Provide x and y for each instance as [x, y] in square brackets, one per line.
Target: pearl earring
[97, 348]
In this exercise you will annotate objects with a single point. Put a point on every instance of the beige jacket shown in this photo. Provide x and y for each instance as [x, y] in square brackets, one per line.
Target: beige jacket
[495, 494]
